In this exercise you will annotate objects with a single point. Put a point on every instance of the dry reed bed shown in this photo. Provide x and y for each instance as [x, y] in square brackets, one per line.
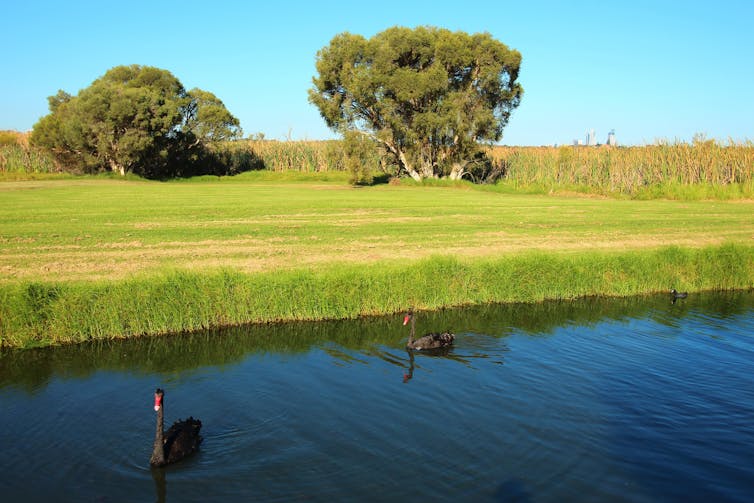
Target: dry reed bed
[623, 170]
[626, 169]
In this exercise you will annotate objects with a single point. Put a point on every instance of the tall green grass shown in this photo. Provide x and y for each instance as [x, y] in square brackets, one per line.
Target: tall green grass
[32, 369]
[39, 313]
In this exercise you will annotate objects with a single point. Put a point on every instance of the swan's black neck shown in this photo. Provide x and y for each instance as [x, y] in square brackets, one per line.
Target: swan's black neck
[158, 450]
[411, 333]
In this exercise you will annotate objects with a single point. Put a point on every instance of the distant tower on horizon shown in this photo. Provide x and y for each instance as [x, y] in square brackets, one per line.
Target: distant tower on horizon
[591, 138]
[611, 138]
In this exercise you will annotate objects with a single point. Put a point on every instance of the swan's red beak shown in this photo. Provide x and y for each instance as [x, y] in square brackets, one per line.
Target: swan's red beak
[406, 319]
[157, 402]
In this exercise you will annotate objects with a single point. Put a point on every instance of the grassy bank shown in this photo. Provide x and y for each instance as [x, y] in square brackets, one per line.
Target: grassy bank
[100, 258]
[37, 314]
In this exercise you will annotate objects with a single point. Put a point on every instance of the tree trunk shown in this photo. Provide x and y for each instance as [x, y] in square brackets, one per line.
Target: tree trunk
[402, 160]
[457, 170]
[427, 168]
[114, 166]
[407, 166]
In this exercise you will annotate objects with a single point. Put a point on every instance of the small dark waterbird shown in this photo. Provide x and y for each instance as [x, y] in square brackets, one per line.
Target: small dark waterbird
[428, 341]
[675, 295]
[181, 440]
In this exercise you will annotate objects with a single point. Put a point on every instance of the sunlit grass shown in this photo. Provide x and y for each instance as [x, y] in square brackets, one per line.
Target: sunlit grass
[99, 258]
[108, 229]
[36, 314]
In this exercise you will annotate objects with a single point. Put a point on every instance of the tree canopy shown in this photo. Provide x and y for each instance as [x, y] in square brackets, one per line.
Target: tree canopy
[428, 96]
[136, 119]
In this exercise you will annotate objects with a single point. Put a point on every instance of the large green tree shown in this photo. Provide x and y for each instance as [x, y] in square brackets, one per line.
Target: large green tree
[207, 119]
[134, 118]
[428, 96]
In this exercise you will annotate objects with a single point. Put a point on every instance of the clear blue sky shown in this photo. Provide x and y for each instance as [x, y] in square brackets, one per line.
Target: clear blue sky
[648, 69]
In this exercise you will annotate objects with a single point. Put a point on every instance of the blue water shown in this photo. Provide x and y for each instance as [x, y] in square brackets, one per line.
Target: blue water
[622, 400]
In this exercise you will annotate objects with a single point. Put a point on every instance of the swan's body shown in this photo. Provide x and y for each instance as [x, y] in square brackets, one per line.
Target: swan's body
[678, 295]
[428, 341]
[178, 442]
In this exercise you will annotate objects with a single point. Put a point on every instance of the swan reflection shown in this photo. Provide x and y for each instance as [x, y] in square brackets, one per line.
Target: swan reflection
[160, 484]
[438, 352]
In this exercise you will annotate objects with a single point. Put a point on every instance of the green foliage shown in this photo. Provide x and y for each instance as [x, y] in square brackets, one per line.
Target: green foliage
[207, 119]
[359, 151]
[38, 314]
[225, 158]
[428, 96]
[124, 121]
[134, 119]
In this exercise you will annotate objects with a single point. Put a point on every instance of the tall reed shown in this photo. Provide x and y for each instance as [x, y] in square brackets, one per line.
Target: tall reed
[634, 171]
[15, 158]
[629, 170]
[307, 156]
[709, 168]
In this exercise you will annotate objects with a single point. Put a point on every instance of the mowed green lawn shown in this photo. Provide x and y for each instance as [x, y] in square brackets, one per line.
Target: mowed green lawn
[92, 229]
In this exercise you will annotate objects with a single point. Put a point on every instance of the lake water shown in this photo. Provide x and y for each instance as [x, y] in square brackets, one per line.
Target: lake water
[612, 400]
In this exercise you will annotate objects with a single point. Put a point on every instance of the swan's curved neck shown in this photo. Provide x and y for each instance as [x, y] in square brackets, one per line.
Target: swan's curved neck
[411, 332]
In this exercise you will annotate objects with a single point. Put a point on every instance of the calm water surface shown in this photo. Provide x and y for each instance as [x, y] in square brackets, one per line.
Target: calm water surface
[622, 400]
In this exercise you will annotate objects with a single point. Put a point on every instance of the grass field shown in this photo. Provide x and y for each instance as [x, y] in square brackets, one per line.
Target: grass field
[106, 229]
[99, 258]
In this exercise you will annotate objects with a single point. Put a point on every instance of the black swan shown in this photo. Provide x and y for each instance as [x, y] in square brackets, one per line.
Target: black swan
[678, 295]
[178, 442]
[429, 341]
